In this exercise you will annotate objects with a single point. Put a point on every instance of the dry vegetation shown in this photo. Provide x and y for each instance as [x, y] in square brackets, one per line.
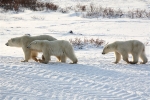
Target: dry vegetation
[34, 5]
[98, 11]
[80, 43]
[88, 11]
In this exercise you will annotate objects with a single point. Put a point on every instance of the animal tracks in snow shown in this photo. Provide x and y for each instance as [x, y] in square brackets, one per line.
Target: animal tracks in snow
[26, 81]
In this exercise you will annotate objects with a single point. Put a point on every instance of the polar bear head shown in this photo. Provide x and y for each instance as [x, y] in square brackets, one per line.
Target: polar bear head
[36, 45]
[109, 48]
[14, 42]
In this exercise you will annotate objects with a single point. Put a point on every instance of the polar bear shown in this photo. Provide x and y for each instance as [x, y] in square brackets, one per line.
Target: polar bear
[59, 48]
[24, 41]
[133, 47]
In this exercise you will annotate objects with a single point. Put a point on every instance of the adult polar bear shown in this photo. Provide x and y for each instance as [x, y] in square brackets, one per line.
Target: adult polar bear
[24, 41]
[133, 47]
[59, 48]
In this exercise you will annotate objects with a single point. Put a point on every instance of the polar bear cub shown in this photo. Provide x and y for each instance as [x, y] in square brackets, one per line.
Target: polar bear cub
[133, 47]
[59, 48]
[24, 41]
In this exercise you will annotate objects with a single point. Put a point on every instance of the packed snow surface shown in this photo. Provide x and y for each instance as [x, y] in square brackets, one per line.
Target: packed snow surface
[95, 77]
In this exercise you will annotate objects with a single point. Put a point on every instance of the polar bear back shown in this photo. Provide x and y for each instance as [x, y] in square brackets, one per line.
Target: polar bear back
[130, 45]
[43, 37]
[28, 39]
[57, 47]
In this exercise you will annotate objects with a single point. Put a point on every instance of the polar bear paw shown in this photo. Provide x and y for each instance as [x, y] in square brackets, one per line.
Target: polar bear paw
[24, 61]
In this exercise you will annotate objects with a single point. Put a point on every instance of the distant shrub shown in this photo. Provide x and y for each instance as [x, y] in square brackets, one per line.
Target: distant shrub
[29, 4]
[81, 7]
[88, 11]
[16, 4]
[138, 14]
[80, 43]
[51, 6]
[98, 11]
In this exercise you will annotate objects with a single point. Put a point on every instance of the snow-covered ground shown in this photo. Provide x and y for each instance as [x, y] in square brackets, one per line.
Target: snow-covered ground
[95, 77]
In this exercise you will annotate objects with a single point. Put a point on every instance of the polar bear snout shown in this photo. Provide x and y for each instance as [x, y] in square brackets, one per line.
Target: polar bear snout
[28, 46]
[6, 44]
[103, 53]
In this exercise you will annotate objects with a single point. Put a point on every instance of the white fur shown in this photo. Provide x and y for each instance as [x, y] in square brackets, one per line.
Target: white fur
[25, 40]
[59, 48]
[123, 48]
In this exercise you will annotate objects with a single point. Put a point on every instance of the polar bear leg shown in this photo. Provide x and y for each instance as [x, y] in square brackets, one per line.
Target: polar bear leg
[34, 55]
[70, 54]
[27, 53]
[45, 58]
[63, 58]
[58, 57]
[135, 58]
[125, 57]
[118, 57]
[144, 58]
[73, 58]
[41, 60]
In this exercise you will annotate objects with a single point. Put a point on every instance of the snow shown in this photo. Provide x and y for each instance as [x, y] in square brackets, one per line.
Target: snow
[95, 77]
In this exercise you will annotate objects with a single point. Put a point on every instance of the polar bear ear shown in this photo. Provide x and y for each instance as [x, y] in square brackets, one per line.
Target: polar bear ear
[106, 44]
